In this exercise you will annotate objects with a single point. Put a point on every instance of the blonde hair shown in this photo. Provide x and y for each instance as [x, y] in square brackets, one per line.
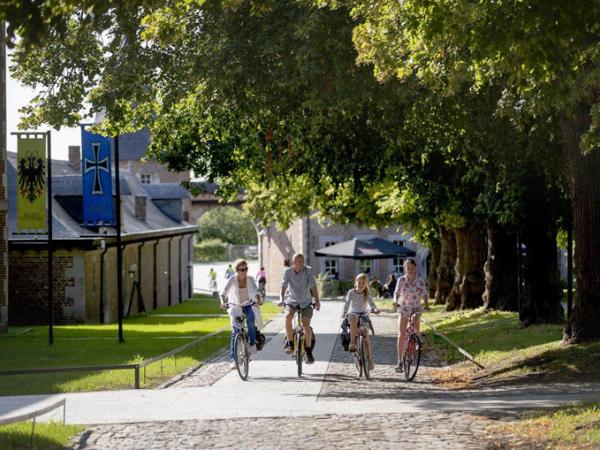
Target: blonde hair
[238, 262]
[409, 261]
[297, 255]
[365, 292]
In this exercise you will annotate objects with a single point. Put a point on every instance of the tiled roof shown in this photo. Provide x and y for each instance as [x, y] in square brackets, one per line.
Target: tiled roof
[166, 191]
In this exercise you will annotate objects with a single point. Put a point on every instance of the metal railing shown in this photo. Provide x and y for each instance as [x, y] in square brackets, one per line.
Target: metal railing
[135, 366]
[8, 419]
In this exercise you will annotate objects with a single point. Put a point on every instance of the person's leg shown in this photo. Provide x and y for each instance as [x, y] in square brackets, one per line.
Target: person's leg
[289, 330]
[251, 324]
[353, 329]
[234, 332]
[307, 332]
[403, 321]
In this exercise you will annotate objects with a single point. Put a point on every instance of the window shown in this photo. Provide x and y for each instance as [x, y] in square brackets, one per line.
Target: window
[331, 265]
[398, 262]
[146, 178]
[366, 266]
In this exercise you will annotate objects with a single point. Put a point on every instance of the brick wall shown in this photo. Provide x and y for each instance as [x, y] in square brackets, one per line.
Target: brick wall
[28, 288]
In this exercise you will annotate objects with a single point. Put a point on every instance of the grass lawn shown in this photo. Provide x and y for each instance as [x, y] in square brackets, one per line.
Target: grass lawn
[510, 352]
[79, 345]
[46, 436]
[570, 427]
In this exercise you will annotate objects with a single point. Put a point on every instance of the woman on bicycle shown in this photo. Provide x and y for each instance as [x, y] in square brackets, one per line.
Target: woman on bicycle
[410, 289]
[241, 292]
[358, 300]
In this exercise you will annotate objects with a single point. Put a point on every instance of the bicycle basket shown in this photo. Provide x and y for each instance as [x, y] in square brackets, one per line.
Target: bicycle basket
[260, 340]
[345, 340]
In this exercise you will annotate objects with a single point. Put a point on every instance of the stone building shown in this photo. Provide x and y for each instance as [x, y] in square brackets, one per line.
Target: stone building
[307, 235]
[157, 252]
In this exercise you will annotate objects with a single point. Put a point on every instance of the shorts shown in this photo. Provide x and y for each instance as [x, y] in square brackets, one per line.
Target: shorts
[407, 310]
[364, 317]
[307, 312]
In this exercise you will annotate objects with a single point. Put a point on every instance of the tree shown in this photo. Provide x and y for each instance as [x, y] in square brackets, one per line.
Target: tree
[546, 54]
[228, 224]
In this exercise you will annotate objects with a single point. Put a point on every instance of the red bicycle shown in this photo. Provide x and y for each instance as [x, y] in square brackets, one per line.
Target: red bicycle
[412, 350]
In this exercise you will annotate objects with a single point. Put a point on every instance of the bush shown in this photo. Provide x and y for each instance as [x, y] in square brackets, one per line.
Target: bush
[210, 250]
[227, 224]
[332, 288]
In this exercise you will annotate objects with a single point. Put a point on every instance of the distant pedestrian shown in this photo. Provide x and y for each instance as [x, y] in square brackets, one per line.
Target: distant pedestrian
[212, 279]
[229, 272]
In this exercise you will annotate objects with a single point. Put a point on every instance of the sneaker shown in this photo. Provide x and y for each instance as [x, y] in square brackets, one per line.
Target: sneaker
[288, 347]
[399, 367]
[309, 357]
[232, 365]
[371, 365]
[352, 347]
[253, 349]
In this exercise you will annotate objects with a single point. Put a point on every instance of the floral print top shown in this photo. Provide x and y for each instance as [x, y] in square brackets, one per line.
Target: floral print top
[409, 293]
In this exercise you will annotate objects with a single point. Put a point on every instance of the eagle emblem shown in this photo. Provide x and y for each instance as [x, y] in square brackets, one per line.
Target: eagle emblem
[32, 176]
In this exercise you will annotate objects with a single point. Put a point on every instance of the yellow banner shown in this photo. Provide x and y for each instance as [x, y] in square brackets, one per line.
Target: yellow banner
[31, 183]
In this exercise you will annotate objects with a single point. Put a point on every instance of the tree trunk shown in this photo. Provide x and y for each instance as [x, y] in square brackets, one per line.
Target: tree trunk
[436, 248]
[469, 280]
[501, 281]
[541, 303]
[583, 173]
[445, 270]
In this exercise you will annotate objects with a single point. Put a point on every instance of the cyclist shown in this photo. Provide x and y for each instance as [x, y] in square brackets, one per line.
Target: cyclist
[241, 292]
[261, 278]
[357, 301]
[298, 287]
[410, 289]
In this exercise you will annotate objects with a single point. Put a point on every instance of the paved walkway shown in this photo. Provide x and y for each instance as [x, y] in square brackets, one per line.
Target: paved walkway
[329, 397]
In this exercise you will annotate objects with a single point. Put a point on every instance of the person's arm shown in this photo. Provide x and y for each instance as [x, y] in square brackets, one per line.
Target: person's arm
[284, 285]
[397, 291]
[314, 291]
[425, 293]
[372, 305]
[346, 305]
[223, 296]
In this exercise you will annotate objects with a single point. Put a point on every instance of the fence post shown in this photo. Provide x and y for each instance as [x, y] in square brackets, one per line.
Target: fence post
[137, 376]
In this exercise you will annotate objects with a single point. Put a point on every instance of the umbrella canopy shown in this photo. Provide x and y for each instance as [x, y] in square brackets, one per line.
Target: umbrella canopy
[375, 248]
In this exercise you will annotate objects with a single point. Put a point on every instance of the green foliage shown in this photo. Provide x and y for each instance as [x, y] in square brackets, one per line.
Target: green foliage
[48, 436]
[210, 250]
[227, 224]
[332, 288]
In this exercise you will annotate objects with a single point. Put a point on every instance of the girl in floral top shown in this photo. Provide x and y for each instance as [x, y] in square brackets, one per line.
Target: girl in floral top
[410, 289]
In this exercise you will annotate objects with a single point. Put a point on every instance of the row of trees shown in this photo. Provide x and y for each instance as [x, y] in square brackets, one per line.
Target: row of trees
[474, 123]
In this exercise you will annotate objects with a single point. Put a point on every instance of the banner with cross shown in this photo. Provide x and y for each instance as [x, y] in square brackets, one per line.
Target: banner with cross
[97, 179]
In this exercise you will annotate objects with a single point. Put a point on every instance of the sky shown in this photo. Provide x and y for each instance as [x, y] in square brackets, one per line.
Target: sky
[18, 96]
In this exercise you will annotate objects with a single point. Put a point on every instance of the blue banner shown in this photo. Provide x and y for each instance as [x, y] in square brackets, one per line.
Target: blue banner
[97, 179]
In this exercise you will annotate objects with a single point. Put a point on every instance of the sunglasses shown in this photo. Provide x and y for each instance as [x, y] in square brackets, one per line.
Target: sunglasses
[245, 269]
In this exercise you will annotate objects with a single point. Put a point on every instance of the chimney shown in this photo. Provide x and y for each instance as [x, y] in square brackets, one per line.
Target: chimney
[75, 157]
[140, 207]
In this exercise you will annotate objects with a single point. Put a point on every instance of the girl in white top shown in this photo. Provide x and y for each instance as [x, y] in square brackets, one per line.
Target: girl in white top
[358, 300]
[240, 292]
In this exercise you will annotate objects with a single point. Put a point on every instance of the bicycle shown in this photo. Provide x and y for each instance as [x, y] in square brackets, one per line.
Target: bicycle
[361, 355]
[412, 350]
[262, 290]
[241, 346]
[299, 353]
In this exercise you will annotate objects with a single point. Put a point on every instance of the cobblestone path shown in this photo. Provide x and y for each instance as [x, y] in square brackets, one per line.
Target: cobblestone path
[431, 431]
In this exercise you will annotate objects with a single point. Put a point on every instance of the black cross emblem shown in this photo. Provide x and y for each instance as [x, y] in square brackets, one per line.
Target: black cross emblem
[96, 165]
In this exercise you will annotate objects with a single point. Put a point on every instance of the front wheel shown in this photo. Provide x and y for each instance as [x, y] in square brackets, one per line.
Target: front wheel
[241, 356]
[358, 362]
[412, 357]
[364, 356]
[299, 344]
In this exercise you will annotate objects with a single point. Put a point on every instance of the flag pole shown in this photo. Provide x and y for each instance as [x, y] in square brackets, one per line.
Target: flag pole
[50, 248]
[119, 249]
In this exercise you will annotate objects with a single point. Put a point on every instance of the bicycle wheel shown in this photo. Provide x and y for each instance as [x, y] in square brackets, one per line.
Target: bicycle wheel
[412, 357]
[241, 356]
[299, 344]
[364, 356]
[358, 359]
